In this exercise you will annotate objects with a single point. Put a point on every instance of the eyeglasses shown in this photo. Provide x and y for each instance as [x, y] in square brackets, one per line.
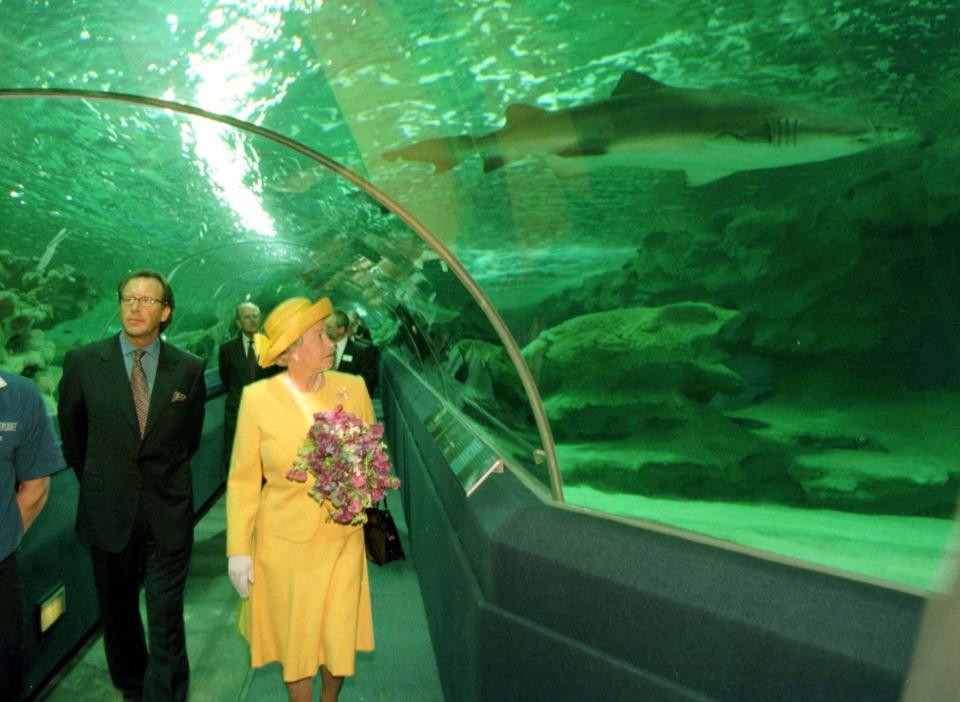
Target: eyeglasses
[130, 300]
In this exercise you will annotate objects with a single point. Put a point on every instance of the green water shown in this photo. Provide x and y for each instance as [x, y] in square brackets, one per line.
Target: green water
[771, 358]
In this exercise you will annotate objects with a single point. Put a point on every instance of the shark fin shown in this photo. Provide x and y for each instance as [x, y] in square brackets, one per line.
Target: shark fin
[444, 153]
[521, 114]
[702, 176]
[635, 83]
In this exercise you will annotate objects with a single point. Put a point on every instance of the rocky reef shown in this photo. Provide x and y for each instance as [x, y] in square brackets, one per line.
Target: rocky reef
[649, 401]
[34, 299]
[802, 349]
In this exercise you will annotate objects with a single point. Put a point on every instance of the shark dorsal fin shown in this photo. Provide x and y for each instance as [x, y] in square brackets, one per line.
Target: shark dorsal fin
[633, 83]
[521, 114]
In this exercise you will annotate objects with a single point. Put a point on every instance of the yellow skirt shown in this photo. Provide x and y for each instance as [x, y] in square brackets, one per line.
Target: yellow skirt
[309, 603]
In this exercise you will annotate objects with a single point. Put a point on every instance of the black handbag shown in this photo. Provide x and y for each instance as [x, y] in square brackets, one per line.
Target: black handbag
[380, 535]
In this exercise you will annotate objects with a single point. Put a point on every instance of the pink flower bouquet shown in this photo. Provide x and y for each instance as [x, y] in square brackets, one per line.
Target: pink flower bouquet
[349, 462]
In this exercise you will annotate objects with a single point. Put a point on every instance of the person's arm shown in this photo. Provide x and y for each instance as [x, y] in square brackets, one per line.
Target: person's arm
[223, 368]
[31, 497]
[243, 496]
[197, 398]
[245, 479]
[72, 415]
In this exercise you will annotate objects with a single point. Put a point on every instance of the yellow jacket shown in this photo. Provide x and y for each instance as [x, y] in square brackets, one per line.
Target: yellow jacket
[271, 425]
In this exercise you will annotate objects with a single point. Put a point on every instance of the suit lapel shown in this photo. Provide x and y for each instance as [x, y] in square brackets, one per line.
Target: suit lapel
[238, 359]
[162, 386]
[117, 380]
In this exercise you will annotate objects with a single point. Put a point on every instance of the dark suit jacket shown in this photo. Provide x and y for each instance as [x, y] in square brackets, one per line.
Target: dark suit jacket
[235, 373]
[116, 468]
[362, 360]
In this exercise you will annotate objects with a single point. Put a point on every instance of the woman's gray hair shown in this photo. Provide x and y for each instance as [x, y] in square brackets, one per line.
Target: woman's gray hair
[281, 360]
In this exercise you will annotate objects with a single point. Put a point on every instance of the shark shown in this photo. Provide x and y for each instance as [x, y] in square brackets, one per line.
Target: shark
[707, 134]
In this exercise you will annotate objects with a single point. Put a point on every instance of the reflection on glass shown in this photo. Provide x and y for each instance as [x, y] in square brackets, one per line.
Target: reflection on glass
[764, 350]
[726, 263]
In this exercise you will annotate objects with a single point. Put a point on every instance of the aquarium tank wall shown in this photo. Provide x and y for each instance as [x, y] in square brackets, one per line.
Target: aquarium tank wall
[690, 264]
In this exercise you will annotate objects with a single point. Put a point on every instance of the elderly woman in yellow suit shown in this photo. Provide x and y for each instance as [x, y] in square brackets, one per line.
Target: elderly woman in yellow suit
[302, 577]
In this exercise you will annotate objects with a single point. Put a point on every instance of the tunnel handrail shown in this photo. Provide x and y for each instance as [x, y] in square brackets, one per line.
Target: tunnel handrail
[506, 337]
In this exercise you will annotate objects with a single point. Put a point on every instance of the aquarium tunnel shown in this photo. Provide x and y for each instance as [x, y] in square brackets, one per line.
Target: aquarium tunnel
[665, 299]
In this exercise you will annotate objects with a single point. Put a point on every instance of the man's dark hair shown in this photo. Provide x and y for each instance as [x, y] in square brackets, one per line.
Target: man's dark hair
[168, 298]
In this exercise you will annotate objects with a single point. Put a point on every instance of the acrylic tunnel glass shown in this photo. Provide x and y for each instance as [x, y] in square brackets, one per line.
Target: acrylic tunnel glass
[768, 358]
[225, 215]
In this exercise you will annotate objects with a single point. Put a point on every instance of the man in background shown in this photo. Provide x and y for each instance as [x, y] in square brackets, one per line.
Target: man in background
[358, 329]
[238, 366]
[351, 356]
[28, 455]
[131, 414]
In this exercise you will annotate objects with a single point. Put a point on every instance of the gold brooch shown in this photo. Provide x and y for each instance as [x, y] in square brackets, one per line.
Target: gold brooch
[342, 394]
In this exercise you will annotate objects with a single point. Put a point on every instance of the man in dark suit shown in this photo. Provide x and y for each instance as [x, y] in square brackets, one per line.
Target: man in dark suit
[358, 329]
[131, 411]
[351, 356]
[238, 366]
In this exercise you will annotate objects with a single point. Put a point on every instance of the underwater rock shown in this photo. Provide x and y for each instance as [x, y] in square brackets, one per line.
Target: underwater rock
[816, 273]
[877, 483]
[641, 365]
[848, 443]
[628, 421]
[28, 352]
[891, 453]
[636, 384]
[485, 371]
[705, 458]
[30, 301]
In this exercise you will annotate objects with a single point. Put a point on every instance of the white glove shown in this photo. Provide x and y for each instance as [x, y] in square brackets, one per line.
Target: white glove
[240, 570]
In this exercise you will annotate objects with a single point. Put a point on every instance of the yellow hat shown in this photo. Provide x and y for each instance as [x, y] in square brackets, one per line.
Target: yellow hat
[287, 323]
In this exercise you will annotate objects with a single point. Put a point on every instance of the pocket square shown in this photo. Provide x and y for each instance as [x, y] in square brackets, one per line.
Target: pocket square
[178, 396]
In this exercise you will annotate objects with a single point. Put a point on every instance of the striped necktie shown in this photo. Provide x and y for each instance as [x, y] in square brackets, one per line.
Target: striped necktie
[140, 390]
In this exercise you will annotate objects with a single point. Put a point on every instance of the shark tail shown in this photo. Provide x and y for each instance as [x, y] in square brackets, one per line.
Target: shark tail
[444, 153]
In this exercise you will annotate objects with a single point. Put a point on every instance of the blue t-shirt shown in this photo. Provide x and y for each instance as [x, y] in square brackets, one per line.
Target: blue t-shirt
[27, 450]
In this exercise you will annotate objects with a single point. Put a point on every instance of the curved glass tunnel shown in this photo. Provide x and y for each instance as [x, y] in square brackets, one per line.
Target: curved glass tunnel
[763, 355]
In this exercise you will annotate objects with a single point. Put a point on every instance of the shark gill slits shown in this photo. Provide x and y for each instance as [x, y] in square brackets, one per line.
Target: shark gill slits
[775, 129]
[783, 131]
